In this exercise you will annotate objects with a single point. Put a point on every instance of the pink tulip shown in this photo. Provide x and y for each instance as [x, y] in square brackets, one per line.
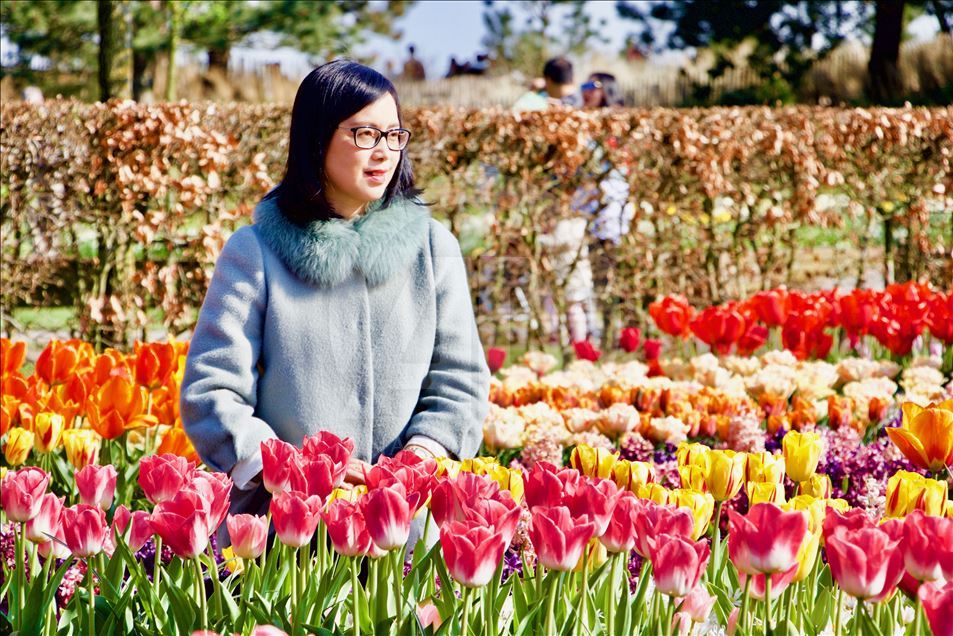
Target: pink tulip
[865, 563]
[22, 492]
[937, 599]
[267, 630]
[347, 528]
[697, 604]
[330, 445]
[84, 529]
[853, 519]
[452, 496]
[620, 533]
[503, 514]
[161, 477]
[43, 527]
[141, 530]
[596, 498]
[318, 476]
[766, 540]
[416, 474]
[215, 489]
[182, 523]
[278, 460]
[678, 564]
[248, 534]
[548, 485]
[653, 520]
[55, 548]
[97, 485]
[296, 517]
[388, 515]
[429, 616]
[558, 538]
[928, 542]
[733, 621]
[495, 357]
[779, 582]
[472, 552]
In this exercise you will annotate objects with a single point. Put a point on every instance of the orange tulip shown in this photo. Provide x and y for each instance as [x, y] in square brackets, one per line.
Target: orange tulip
[926, 435]
[57, 362]
[116, 406]
[176, 442]
[155, 363]
[110, 363]
[12, 355]
[14, 385]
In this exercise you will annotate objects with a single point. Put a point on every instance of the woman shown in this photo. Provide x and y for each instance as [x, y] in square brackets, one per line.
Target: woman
[344, 307]
[601, 91]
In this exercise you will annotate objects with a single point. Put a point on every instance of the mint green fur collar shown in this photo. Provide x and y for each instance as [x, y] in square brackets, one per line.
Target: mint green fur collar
[377, 244]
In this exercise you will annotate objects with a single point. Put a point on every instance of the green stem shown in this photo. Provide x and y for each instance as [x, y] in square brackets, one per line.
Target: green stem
[858, 610]
[610, 594]
[200, 592]
[91, 588]
[745, 599]
[539, 580]
[916, 618]
[767, 603]
[157, 568]
[398, 580]
[292, 556]
[555, 579]
[216, 582]
[716, 544]
[18, 540]
[355, 605]
[583, 622]
[837, 604]
[465, 628]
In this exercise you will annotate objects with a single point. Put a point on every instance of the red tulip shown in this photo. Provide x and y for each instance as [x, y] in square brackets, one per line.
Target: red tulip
[753, 339]
[84, 529]
[296, 517]
[652, 349]
[163, 476]
[653, 520]
[585, 350]
[779, 582]
[937, 599]
[472, 551]
[389, 513]
[97, 485]
[558, 538]
[672, 315]
[719, 327]
[940, 318]
[22, 493]
[767, 539]
[620, 533]
[629, 339]
[42, 527]
[141, 530]
[248, 534]
[347, 528]
[57, 362]
[183, 523]
[278, 460]
[866, 563]
[771, 306]
[858, 310]
[495, 358]
[927, 545]
[678, 564]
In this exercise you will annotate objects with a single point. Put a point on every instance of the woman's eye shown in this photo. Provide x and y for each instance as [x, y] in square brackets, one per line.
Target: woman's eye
[366, 136]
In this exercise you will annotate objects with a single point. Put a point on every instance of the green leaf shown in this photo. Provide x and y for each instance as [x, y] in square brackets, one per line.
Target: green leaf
[39, 597]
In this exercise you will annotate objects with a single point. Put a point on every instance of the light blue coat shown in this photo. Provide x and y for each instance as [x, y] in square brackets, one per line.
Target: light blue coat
[364, 328]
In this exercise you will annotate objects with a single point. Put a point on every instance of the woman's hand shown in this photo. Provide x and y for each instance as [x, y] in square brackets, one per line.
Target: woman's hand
[355, 471]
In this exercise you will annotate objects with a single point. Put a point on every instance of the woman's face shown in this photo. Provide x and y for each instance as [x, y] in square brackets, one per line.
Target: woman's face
[357, 176]
[592, 95]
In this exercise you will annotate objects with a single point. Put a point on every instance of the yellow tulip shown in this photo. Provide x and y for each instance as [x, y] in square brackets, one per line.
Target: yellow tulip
[840, 505]
[726, 474]
[692, 454]
[819, 485]
[48, 428]
[82, 446]
[948, 511]
[593, 462]
[701, 504]
[478, 465]
[629, 475]
[802, 451]
[926, 435]
[654, 492]
[908, 491]
[447, 467]
[510, 479]
[597, 555]
[236, 565]
[764, 467]
[807, 554]
[353, 494]
[693, 477]
[17, 448]
[815, 508]
[765, 492]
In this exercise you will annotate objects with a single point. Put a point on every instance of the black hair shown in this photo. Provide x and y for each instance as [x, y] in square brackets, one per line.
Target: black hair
[611, 93]
[327, 96]
[558, 70]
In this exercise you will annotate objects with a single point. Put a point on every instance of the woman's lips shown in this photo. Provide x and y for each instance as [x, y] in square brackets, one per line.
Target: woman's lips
[375, 176]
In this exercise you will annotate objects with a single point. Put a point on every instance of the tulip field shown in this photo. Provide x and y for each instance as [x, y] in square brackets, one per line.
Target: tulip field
[779, 464]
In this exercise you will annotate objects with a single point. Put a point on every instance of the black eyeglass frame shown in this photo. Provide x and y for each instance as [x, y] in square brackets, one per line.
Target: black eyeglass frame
[381, 134]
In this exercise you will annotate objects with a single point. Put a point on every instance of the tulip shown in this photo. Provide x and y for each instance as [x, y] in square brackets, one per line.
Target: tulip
[48, 428]
[97, 485]
[57, 362]
[652, 349]
[508, 479]
[155, 363]
[719, 327]
[701, 505]
[215, 490]
[629, 339]
[595, 499]
[818, 486]
[495, 358]
[697, 604]
[18, 445]
[278, 460]
[12, 356]
[558, 538]
[593, 462]
[726, 473]
[45, 524]
[388, 513]
[629, 475]
[927, 546]
[547, 485]
[908, 491]
[585, 350]
[318, 476]
[654, 492]
[452, 497]
[764, 467]
[937, 599]
[182, 523]
[141, 529]
[779, 582]
[22, 493]
[163, 476]
[175, 441]
[296, 517]
[693, 477]
[56, 547]
[472, 552]
[429, 616]
[766, 540]
[653, 521]
[347, 528]
[693, 455]
[82, 446]
[678, 564]
[672, 315]
[326, 443]
[84, 529]
[620, 533]
[802, 451]
[765, 493]
[926, 435]
[866, 563]
[117, 406]
[248, 535]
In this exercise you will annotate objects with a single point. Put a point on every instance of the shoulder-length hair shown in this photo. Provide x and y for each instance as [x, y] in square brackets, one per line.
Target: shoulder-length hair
[327, 96]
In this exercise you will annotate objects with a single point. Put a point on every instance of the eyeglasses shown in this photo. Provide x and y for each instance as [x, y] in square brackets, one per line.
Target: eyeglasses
[367, 137]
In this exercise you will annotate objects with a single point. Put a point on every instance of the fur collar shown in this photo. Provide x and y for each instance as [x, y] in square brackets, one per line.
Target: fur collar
[377, 244]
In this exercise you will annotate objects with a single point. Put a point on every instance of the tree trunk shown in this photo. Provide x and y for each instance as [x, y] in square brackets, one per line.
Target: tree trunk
[883, 72]
[218, 58]
[173, 8]
[107, 45]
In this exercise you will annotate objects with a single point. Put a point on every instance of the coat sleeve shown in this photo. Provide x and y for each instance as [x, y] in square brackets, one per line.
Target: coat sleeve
[454, 396]
[219, 389]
